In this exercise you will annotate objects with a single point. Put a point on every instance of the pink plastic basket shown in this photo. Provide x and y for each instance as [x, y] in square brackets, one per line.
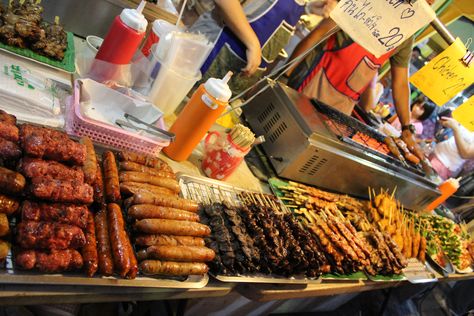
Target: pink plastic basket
[106, 134]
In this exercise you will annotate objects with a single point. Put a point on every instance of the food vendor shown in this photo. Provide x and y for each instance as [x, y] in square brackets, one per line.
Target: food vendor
[449, 156]
[340, 84]
[249, 38]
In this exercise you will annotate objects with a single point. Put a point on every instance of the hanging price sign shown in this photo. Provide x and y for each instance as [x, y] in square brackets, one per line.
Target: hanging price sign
[381, 25]
[446, 75]
[464, 114]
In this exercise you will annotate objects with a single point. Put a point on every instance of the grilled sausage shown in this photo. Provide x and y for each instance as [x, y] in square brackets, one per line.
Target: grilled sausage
[49, 235]
[172, 227]
[52, 261]
[143, 159]
[153, 267]
[132, 273]
[142, 211]
[180, 253]
[11, 182]
[129, 188]
[406, 153]
[141, 177]
[112, 186]
[9, 132]
[8, 205]
[89, 251]
[4, 250]
[118, 239]
[7, 118]
[4, 226]
[133, 166]
[163, 200]
[106, 264]
[55, 212]
[168, 240]
[38, 168]
[90, 165]
[393, 148]
[98, 186]
[64, 191]
[9, 150]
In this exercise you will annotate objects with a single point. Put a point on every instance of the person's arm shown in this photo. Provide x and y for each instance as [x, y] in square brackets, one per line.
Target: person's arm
[401, 93]
[312, 38]
[234, 17]
[367, 98]
[465, 148]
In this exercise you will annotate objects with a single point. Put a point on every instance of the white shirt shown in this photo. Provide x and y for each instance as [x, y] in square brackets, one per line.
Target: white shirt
[447, 152]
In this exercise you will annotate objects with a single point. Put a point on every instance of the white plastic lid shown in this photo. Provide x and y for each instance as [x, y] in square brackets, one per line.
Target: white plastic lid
[134, 19]
[218, 88]
[162, 27]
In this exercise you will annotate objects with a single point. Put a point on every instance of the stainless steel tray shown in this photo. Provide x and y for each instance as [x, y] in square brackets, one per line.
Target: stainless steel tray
[205, 190]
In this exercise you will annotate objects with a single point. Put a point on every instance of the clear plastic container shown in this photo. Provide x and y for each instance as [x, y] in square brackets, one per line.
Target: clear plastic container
[170, 86]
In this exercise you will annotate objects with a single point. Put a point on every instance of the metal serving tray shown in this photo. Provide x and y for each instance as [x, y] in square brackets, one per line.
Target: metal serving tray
[205, 190]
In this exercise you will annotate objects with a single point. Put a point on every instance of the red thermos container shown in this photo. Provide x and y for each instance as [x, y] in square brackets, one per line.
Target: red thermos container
[124, 37]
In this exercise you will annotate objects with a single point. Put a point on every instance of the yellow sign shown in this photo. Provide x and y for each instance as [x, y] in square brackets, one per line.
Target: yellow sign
[445, 76]
[464, 114]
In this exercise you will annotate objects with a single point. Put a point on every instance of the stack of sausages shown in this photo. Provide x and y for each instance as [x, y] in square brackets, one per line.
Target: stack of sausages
[169, 233]
[11, 183]
[56, 232]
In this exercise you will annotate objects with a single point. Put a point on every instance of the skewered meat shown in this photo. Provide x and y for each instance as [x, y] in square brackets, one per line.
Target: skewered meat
[11, 182]
[34, 168]
[45, 235]
[71, 191]
[9, 150]
[50, 144]
[394, 148]
[53, 261]
[61, 213]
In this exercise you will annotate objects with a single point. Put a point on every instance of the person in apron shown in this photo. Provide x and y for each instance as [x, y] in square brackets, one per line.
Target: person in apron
[273, 22]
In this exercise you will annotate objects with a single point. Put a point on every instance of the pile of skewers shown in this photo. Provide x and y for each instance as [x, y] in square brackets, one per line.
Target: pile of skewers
[348, 239]
[242, 136]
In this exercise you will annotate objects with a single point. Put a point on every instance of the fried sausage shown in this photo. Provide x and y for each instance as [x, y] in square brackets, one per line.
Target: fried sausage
[133, 166]
[393, 148]
[64, 191]
[11, 182]
[55, 212]
[406, 153]
[38, 168]
[51, 261]
[112, 186]
[153, 267]
[118, 239]
[89, 251]
[129, 188]
[133, 176]
[142, 211]
[98, 186]
[4, 226]
[49, 235]
[4, 250]
[90, 165]
[8, 205]
[147, 160]
[7, 118]
[9, 150]
[168, 240]
[164, 200]
[9, 132]
[132, 273]
[142, 255]
[180, 253]
[106, 264]
[172, 227]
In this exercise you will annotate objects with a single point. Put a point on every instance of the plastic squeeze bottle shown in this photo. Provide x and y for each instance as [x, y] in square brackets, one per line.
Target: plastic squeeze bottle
[447, 188]
[197, 117]
[124, 36]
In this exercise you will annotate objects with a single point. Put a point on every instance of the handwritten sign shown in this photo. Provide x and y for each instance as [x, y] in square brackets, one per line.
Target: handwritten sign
[381, 25]
[464, 114]
[445, 75]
